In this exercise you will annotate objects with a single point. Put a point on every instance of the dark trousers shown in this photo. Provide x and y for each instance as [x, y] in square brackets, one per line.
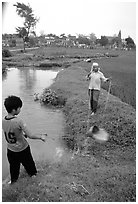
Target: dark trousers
[25, 158]
[94, 97]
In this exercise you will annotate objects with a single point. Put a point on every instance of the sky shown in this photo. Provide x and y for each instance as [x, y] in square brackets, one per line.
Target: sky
[76, 17]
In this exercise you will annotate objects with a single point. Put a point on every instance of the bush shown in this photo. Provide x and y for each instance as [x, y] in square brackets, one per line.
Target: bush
[6, 53]
[13, 43]
[33, 42]
[50, 64]
[49, 97]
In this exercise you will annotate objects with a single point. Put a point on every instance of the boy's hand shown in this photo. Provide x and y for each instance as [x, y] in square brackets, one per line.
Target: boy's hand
[109, 79]
[43, 137]
[24, 135]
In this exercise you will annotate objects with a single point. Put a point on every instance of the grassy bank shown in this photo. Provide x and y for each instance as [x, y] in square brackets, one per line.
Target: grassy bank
[107, 172]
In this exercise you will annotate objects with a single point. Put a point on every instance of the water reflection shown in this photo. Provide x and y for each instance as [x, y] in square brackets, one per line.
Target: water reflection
[40, 119]
[29, 78]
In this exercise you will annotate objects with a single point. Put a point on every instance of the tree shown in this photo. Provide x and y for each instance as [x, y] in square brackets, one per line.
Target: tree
[93, 38]
[63, 36]
[104, 40]
[51, 35]
[26, 12]
[42, 33]
[130, 43]
[115, 41]
[82, 39]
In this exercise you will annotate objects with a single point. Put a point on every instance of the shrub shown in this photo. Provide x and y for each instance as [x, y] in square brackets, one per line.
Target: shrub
[13, 43]
[49, 97]
[50, 64]
[6, 53]
[33, 42]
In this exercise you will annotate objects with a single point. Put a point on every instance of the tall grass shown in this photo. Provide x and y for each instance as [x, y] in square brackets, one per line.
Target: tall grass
[122, 69]
[123, 72]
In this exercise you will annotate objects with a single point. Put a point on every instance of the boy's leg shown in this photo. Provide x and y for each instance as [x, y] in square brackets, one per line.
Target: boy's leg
[14, 162]
[28, 162]
[95, 99]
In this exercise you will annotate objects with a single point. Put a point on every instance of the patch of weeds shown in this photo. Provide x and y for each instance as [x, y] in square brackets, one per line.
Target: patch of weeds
[49, 97]
[6, 53]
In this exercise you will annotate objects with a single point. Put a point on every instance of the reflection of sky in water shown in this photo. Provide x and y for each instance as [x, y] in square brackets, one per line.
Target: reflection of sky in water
[36, 80]
[25, 82]
[39, 119]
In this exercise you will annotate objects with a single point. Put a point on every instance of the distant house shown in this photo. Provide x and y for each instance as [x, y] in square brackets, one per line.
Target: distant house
[49, 39]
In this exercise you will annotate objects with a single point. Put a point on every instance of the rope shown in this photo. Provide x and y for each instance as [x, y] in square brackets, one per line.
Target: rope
[89, 112]
[107, 99]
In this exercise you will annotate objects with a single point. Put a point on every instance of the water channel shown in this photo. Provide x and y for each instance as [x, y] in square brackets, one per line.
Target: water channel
[40, 119]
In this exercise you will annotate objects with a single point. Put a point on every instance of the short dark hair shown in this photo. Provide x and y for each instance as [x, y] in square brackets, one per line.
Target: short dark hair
[12, 102]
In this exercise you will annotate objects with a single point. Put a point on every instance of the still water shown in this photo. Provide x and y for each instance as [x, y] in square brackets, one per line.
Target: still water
[39, 119]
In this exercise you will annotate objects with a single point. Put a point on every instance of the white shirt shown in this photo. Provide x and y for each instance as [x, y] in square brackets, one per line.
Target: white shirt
[95, 80]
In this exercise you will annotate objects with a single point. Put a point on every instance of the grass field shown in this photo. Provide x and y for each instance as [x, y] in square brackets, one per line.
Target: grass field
[121, 68]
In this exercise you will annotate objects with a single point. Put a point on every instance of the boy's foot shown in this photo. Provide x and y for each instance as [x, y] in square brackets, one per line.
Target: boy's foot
[13, 182]
[34, 176]
[9, 182]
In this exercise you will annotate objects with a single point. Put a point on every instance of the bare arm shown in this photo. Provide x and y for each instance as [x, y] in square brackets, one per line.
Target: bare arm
[103, 78]
[88, 76]
[34, 136]
[29, 134]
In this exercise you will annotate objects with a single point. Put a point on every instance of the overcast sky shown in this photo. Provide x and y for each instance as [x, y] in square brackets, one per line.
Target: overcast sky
[76, 17]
